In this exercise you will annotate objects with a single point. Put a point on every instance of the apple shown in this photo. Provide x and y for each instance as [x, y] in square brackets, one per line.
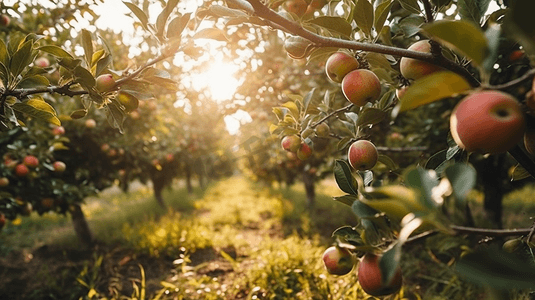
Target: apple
[414, 69]
[2, 220]
[4, 181]
[322, 130]
[122, 172]
[516, 55]
[362, 155]
[401, 91]
[129, 102]
[58, 130]
[298, 7]
[21, 170]
[135, 114]
[10, 163]
[339, 64]
[47, 202]
[42, 62]
[105, 147]
[370, 277]
[105, 83]
[27, 209]
[487, 122]
[338, 261]
[31, 161]
[59, 166]
[304, 152]
[112, 152]
[4, 20]
[291, 143]
[155, 162]
[361, 86]
[169, 157]
[90, 123]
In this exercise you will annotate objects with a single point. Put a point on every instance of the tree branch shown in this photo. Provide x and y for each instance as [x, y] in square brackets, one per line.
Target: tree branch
[343, 109]
[529, 74]
[492, 232]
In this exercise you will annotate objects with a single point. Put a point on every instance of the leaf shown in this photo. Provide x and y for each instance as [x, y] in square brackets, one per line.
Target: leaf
[177, 25]
[345, 199]
[348, 234]
[493, 35]
[142, 17]
[370, 116]
[78, 114]
[461, 36]
[115, 116]
[163, 16]
[292, 107]
[411, 5]
[4, 55]
[497, 268]
[462, 178]
[84, 77]
[411, 25]
[381, 13]
[436, 159]
[34, 81]
[336, 24]
[518, 22]
[378, 60]
[37, 108]
[87, 44]
[21, 59]
[387, 161]
[223, 11]
[519, 173]
[211, 33]
[343, 177]
[472, 10]
[297, 47]
[103, 63]
[56, 51]
[431, 88]
[395, 201]
[363, 16]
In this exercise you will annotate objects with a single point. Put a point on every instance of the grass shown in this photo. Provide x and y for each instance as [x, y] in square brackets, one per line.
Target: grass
[235, 240]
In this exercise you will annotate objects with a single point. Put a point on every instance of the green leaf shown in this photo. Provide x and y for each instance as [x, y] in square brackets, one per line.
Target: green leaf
[343, 177]
[56, 51]
[37, 108]
[363, 16]
[497, 268]
[518, 23]
[411, 5]
[142, 17]
[388, 162]
[163, 16]
[334, 24]
[79, 113]
[519, 173]
[34, 81]
[4, 54]
[211, 33]
[177, 26]
[462, 178]
[472, 10]
[84, 77]
[21, 59]
[461, 36]
[87, 44]
[370, 116]
[381, 13]
[395, 201]
[348, 234]
[297, 47]
[345, 199]
[411, 25]
[423, 181]
[431, 88]
[292, 107]
[115, 116]
[103, 63]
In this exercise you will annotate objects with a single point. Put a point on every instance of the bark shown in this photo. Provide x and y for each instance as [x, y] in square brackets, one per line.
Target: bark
[310, 189]
[81, 227]
[188, 180]
[491, 172]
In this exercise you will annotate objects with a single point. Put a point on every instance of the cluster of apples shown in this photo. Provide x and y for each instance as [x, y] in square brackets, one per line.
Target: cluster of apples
[106, 83]
[293, 144]
[22, 169]
[340, 261]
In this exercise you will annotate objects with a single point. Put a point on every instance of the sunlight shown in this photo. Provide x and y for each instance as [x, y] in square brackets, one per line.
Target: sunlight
[218, 79]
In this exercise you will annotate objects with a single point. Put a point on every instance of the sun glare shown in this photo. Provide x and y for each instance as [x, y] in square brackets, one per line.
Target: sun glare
[218, 79]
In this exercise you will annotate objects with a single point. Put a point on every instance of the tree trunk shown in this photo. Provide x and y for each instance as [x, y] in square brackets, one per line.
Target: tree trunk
[157, 187]
[491, 173]
[308, 180]
[80, 226]
[188, 180]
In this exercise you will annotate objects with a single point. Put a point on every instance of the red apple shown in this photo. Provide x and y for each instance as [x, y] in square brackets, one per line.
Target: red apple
[58, 130]
[47, 202]
[291, 143]
[414, 69]
[90, 123]
[122, 172]
[4, 20]
[339, 64]
[361, 86]
[362, 155]
[487, 122]
[10, 163]
[371, 278]
[338, 261]
[31, 161]
[4, 181]
[42, 62]
[298, 7]
[169, 157]
[59, 167]
[21, 170]
[401, 91]
[2, 220]
[304, 152]
[104, 83]
[105, 147]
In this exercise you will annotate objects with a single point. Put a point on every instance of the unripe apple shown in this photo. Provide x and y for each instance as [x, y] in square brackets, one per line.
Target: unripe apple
[47, 202]
[362, 155]
[371, 278]
[31, 161]
[487, 122]
[58, 130]
[298, 7]
[42, 62]
[90, 123]
[512, 245]
[304, 152]
[339, 64]
[414, 69]
[361, 86]
[59, 166]
[322, 130]
[104, 83]
[338, 261]
[4, 20]
[130, 102]
[21, 170]
[4, 181]
[291, 143]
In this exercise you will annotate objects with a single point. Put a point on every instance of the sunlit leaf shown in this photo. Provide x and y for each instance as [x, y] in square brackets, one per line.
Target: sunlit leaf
[142, 17]
[177, 25]
[297, 47]
[472, 10]
[211, 33]
[363, 16]
[388, 162]
[161, 21]
[345, 199]
[21, 59]
[34, 81]
[335, 24]
[87, 44]
[519, 173]
[395, 201]
[411, 5]
[381, 13]
[370, 116]
[38, 109]
[461, 36]
[411, 25]
[56, 51]
[462, 178]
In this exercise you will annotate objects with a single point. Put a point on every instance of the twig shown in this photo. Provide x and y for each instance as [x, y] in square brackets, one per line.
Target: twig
[492, 232]
[404, 149]
[512, 83]
[343, 109]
